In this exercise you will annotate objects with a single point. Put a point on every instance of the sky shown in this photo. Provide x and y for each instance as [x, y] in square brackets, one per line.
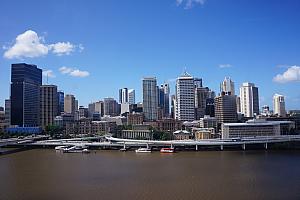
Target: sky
[93, 48]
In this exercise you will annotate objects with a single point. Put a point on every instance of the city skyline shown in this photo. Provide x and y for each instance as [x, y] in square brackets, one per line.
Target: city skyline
[182, 36]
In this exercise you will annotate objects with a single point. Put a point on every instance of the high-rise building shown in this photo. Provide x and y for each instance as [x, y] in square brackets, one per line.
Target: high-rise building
[123, 95]
[110, 107]
[201, 96]
[227, 86]
[7, 112]
[99, 108]
[164, 99]
[198, 82]
[61, 100]
[185, 98]
[225, 108]
[25, 94]
[279, 105]
[69, 104]
[249, 100]
[83, 112]
[49, 104]
[150, 103]
[131, 96]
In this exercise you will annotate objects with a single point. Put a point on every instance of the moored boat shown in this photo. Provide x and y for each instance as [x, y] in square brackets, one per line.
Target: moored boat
[167, 150]
[143, 150]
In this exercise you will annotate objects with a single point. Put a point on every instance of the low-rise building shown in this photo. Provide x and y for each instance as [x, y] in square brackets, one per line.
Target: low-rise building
[169, 125]
[135, 118]
[137, 134]
[204, 133]
[182, 135]
[256, 128]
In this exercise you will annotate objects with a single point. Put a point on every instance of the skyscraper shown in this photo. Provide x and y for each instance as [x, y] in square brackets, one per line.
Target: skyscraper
[279, 105]
[201, 95]
[7, 112]
[110, 107]
[131, 96]
[123, 95]
[185, 98]
[249, 100]
[227, 86]
[49, 104]
[225, 108]
[150, 103]
[69, 104]
[25, 94]
[164, 99]
[60, 102]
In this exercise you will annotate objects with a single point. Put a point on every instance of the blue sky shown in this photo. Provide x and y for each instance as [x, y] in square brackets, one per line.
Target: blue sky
[106, 45]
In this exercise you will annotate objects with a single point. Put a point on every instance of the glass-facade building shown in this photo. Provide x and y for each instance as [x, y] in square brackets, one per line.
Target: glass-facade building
[25, 94]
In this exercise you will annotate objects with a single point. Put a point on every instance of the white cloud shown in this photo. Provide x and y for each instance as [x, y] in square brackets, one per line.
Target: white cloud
[49, 73]
[78, 73]
[225, 65]
[65, 70]
[188, 4]
[73, 72]
[62, 48]
[292, 74]
[30, 45]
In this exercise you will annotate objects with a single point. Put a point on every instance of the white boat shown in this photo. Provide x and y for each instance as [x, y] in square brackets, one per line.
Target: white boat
[85, 151]
[60, 148]
[143, 150]
[123, 149]
[167, 150]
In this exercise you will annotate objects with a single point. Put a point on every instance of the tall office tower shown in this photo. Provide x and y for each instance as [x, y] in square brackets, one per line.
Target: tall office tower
[60, 102]
[83, 112]
[49, 104]
[123, 95]
[227, 86]
[201, 95]
[76, 105]
[249, 100]
[266, 110]
[69, 104]
[238, 104]
[150, 103]
[225, 108]
[163, 99]
[7, 112]
[210, 107]
[110, 107]
[185, 98]
[173, 106]
[99, 108]
[25, 94]
[131, 96]
[91, 109]
[198, 82]
[279, 105]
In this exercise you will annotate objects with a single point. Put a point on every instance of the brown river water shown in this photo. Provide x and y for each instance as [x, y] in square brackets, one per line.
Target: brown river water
[46, 174]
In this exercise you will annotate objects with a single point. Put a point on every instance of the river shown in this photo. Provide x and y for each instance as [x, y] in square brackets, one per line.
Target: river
[45, 174]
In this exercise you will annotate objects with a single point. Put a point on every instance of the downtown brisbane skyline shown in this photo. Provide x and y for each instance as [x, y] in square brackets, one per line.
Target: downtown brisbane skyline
[93, 49]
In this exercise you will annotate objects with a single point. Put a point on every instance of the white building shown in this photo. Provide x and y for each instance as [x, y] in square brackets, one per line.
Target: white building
[249, 100]
[227, 86]
[256, 128]
[279, 105]
[185, 98]
[150, 99]
[131, 96]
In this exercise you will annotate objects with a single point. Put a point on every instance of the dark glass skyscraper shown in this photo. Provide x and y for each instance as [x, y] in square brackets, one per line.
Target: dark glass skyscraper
[61, 100]
[25, 94]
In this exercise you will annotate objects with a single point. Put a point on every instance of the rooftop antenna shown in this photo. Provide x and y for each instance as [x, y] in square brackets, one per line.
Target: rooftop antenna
[47, 78]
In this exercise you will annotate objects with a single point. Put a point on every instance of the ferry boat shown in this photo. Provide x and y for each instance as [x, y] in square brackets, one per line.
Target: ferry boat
[167, 150]
[143, 150]
[60, 148]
